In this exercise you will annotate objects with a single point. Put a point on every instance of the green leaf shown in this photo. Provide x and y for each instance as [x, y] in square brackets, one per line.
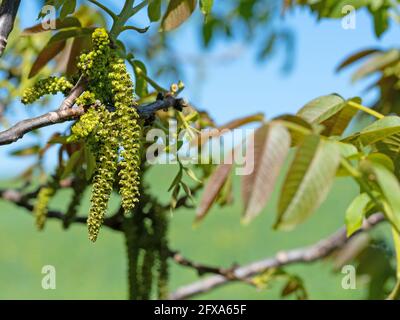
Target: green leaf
[381, 21]
[26, 151]
[192, 175]
[68, 8]
[141, 87]
[308, 181]
[206, 6]
[321, 108]
[346, 150]
[177, 179]
[72, 163]
[377, 131]
[271, 146]
[175, 194]
[72, 32]
[154, 10]
[90, 161]
[187, 190]
[296, 136]
[355, 213]
[396, 241]
[338, 123]
[381, 159]
[391, 190]
[178, 12]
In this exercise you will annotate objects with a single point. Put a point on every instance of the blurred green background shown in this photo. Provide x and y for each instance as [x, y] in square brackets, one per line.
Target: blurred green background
[98, 271]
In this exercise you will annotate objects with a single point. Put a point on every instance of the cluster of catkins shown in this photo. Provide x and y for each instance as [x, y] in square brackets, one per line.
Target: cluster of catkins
[147, 244]
[50, 85]
[110, 126]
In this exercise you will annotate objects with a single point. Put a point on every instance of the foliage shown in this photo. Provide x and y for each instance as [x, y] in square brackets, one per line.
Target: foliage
[106, 147]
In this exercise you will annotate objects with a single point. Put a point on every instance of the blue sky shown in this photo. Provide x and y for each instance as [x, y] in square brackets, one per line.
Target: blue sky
[242, 86]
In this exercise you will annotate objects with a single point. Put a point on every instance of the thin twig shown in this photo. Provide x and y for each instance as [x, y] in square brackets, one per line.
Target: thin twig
[19, 199]
[8, 12]
[62, 115]
[312, 253]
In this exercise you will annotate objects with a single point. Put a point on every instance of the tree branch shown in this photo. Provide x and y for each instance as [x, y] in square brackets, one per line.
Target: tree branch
[8, 12]
[14, 196]
[308, 254]
[65, 114]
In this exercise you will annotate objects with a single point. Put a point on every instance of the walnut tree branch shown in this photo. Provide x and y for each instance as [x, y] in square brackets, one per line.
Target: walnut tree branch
[312, 253]
[65, 114]
[21, 200]
[8, 12]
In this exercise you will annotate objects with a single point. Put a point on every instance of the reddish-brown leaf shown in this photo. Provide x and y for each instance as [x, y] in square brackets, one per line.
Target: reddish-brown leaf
[60, 24]
[271, 146]
[47, 54]
[356, 57]
[212, 189]
[79, 44]
[178, 12]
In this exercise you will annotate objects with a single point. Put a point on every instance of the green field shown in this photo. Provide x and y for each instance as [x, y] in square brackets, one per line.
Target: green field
[98, 271]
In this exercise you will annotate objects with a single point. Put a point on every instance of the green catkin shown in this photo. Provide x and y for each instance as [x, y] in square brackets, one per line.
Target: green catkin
[85, 126]
[107, 156]
[160, 233]
[51, 85]
[148, 257]
[41, 207]
[87, 98]
[132, 230]
[109, 83]
[122, 90]
[110, 126]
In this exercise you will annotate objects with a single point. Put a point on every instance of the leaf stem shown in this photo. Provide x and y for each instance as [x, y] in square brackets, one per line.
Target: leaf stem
[126, 13]
[365, 109]
[395, 294]
[295, 127]
[350, 169]
[150, 81]
[140, 30]
[103, 7]
[139, 7]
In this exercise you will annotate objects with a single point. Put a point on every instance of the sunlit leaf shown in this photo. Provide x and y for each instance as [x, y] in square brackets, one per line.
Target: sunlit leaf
[206, 6]
[72, 32]
[377, 131]
[271, 146]
[26, 151]
[322, 108]
[390, 187]
[356, 57]
[68, 8]
[378, 62]
[355, 213]
[296, 136]
[337, 124]
[308, 181]
[154, 10]
[72, 163]
[178, 12]
[212, 189]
